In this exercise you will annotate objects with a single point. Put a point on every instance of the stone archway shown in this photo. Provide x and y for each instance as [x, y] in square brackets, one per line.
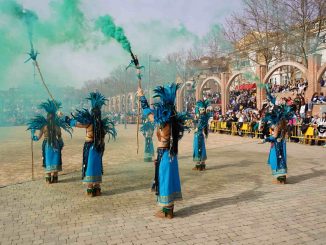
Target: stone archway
[130, 102]
[320, 73]
[297, 65]
[200, 86]
[108, 104]
[112, 104]
[230, 81]
[117, 104]
[123, 103]
[180, 95]
[227, 89]
[220, 87]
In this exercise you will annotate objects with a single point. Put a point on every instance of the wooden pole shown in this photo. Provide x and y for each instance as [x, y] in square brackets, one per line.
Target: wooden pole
[32, 150]
[46, 87]
[138, 114]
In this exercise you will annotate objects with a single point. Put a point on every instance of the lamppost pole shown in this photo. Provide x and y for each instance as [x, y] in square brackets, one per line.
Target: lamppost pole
[149, 73]
[125, 112]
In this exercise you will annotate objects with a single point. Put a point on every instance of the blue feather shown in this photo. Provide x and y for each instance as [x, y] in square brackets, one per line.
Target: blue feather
[109, 128]
[279, 113]
[182, 119]
[36, 123]
[146, 127]
[50, 107]
[165, 107]
[83, 116]
[97, 100]
[39, 121]
[64, 125]
[270, 97]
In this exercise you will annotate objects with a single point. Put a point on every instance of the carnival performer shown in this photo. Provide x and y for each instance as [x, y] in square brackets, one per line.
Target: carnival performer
[202, 115]
[170, 129]
[277, 117]
[147, 130]
[50, 128]
[96, 129]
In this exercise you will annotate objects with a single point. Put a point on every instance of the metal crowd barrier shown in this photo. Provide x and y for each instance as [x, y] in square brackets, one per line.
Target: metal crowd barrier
[295, 133]
[310, 135]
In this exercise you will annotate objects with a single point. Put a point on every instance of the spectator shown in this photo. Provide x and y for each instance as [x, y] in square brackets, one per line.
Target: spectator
[321, 128]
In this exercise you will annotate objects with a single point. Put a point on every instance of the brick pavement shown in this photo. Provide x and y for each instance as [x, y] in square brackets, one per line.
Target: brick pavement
[233, 202]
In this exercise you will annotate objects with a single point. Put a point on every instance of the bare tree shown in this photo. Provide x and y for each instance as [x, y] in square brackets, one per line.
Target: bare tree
[252, 31]
[301, 25]
[269, 30]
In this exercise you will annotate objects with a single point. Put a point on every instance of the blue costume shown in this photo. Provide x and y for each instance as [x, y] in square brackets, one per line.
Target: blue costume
[96, 129]
[50, 127]
[277, 118]
[202, 116]
[147, 130]
[170, 129]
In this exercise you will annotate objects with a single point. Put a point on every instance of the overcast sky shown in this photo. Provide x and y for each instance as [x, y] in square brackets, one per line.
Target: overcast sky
[148, 24]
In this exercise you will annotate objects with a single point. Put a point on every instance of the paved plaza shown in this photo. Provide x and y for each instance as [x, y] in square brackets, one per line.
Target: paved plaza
[233, 202]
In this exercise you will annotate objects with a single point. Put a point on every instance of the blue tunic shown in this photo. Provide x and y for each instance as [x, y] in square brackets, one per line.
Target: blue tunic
[149, 149]
[93, 173]
[52, 158]
[169, 180]
[199, 148]
[277, 157]
[199, 153]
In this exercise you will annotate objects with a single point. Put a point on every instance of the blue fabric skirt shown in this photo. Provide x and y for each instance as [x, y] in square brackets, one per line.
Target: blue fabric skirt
[199, 154]
[149, 149]
[94, 169]
[52, 158]
[277, 158]
[169, 180]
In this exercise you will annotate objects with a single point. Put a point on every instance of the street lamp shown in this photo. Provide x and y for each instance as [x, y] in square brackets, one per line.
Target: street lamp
[150, 59]
[126, 100]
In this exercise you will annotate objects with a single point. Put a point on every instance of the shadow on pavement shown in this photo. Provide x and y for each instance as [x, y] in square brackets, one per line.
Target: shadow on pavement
[249, 195]
[299, 178]
[242, 163]
[109, 192]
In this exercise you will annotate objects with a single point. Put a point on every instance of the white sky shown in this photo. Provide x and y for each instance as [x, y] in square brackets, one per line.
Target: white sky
[145, 23]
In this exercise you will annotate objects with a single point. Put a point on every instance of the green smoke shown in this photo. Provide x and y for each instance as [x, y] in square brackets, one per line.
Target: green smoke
[19, 28]
[109, 29]
[12, 8]
[67, 25]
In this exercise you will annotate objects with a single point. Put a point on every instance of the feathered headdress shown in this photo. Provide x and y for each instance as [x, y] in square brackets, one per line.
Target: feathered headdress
[270, 97]
[50, 106]
[97, 100]
[39, 121]
[109, 128]
[146, 127]
[278, 112]
[202, 104]
[166, 93]
[165, 107]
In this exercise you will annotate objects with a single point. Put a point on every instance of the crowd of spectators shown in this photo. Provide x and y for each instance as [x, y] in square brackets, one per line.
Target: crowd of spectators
[303, 127]
[242, 99]
[18, 105]
[190, 102]
[214, 97]
[298, 86]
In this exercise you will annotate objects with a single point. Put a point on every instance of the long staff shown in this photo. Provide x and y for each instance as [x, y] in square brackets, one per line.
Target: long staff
[135, 63]
[32, 150]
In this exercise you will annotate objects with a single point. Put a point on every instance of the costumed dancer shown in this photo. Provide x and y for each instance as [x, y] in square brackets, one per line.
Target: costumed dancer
[50, 127]
[277, 118]
[202, 115]
[147, 130]
[96, 129]
[170, 129]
